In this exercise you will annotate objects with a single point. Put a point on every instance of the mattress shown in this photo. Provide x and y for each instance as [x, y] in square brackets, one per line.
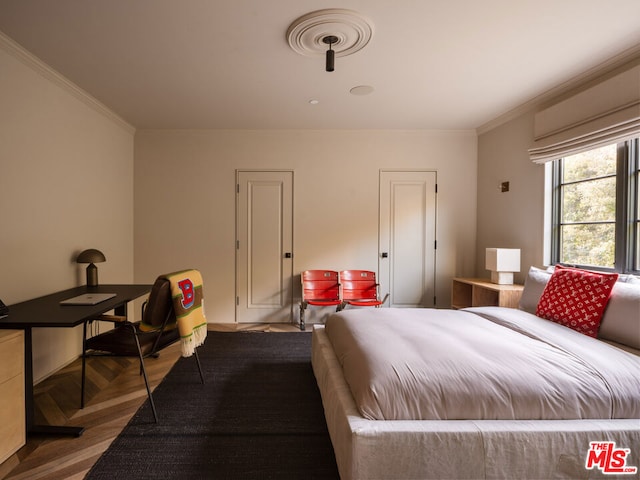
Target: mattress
[458, 449]
[487, 363]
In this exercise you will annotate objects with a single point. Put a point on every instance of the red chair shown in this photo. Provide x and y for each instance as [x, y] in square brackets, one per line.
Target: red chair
[320, 288]
[360, 289]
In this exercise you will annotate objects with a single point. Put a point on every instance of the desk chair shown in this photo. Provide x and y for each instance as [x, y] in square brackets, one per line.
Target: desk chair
[360, 289]
[320, 288]
[127, 339]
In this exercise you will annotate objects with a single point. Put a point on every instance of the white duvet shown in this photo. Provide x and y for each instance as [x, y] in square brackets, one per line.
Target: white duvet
[482, 363]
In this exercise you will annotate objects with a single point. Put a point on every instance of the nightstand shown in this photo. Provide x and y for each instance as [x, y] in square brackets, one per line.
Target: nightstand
[479, 292]
[12, 413]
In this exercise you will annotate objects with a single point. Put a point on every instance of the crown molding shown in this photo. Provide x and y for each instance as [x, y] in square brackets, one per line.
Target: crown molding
[17, 51]
[627, 59]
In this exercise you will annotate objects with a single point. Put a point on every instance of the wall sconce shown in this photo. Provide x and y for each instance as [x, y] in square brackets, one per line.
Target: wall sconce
[91, 256]
[502, 262]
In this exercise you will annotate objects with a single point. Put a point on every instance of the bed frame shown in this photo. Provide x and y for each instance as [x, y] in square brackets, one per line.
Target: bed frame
[458, 449]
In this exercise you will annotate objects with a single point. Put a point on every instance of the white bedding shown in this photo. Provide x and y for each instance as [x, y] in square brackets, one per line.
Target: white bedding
[459, 449]
[486, 363]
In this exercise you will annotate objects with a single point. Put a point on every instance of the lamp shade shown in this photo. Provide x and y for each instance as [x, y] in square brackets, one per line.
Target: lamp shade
[91, 255]
[502, 262]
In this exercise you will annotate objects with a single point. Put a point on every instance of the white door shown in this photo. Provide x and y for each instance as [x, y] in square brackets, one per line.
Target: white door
[407, 238]
[264, 241]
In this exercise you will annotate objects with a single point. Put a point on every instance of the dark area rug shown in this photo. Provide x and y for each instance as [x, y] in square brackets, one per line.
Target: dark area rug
[259, 415]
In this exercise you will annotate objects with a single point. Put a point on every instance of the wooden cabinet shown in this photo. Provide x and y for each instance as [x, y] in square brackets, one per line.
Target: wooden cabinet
[478, 292]
[12, 413]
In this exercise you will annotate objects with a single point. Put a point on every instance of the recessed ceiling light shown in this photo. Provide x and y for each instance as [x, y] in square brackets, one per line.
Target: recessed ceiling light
[361, 90]
[314, 101]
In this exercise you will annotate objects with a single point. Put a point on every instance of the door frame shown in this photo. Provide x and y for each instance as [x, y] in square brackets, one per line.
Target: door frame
[381, 248]
[290, 296]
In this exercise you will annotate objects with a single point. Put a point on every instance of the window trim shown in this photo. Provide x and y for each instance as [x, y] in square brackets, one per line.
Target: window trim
[632, 206]
[626, 220]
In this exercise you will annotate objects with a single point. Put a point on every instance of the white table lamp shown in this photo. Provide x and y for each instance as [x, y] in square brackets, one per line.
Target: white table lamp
[502, 262]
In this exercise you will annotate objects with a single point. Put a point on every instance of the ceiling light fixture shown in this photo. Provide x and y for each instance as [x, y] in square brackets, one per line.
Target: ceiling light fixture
[331, 55]
[345, 31]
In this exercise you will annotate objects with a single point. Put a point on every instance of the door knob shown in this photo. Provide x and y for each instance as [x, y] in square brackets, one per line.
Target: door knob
[287, 255]
[385, 255]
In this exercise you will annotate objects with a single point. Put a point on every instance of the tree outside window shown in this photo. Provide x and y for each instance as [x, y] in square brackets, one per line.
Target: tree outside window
[595, 219]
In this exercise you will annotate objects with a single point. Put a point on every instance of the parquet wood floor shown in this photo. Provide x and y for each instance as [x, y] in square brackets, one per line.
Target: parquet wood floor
[114, 392]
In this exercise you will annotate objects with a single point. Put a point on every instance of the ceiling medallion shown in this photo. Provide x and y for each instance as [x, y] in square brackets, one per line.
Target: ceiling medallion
[350, 32]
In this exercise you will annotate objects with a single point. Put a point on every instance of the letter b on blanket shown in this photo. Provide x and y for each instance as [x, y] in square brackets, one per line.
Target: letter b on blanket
[188, 296]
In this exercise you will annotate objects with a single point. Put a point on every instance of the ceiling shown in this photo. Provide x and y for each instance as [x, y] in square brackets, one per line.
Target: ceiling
[209, 64]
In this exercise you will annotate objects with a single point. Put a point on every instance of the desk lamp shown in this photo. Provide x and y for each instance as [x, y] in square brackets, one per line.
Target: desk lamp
[91, 256]
[502, 262]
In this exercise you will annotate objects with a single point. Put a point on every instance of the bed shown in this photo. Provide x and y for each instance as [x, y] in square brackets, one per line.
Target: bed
[388, 417]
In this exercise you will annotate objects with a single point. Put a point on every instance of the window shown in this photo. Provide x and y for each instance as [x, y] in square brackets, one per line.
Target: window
[595, 208]
[634, 203]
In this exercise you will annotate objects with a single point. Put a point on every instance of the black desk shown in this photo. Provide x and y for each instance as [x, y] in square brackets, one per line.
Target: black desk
[47, 312]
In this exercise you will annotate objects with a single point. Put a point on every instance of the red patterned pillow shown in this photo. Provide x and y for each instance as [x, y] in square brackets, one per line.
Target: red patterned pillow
[576, 298]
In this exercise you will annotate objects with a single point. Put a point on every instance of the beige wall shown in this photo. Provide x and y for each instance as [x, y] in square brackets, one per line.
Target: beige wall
[185, 199]
[66, 184]
[513, 219]
[516, 219]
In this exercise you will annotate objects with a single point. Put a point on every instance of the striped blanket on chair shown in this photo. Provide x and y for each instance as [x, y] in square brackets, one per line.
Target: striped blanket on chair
[188, 304]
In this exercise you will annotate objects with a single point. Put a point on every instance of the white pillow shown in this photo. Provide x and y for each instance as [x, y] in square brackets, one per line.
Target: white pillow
[533, 287]
[623, 277]
[621, 319]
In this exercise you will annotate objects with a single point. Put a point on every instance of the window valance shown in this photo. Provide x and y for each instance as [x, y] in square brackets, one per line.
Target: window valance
[606, 113]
